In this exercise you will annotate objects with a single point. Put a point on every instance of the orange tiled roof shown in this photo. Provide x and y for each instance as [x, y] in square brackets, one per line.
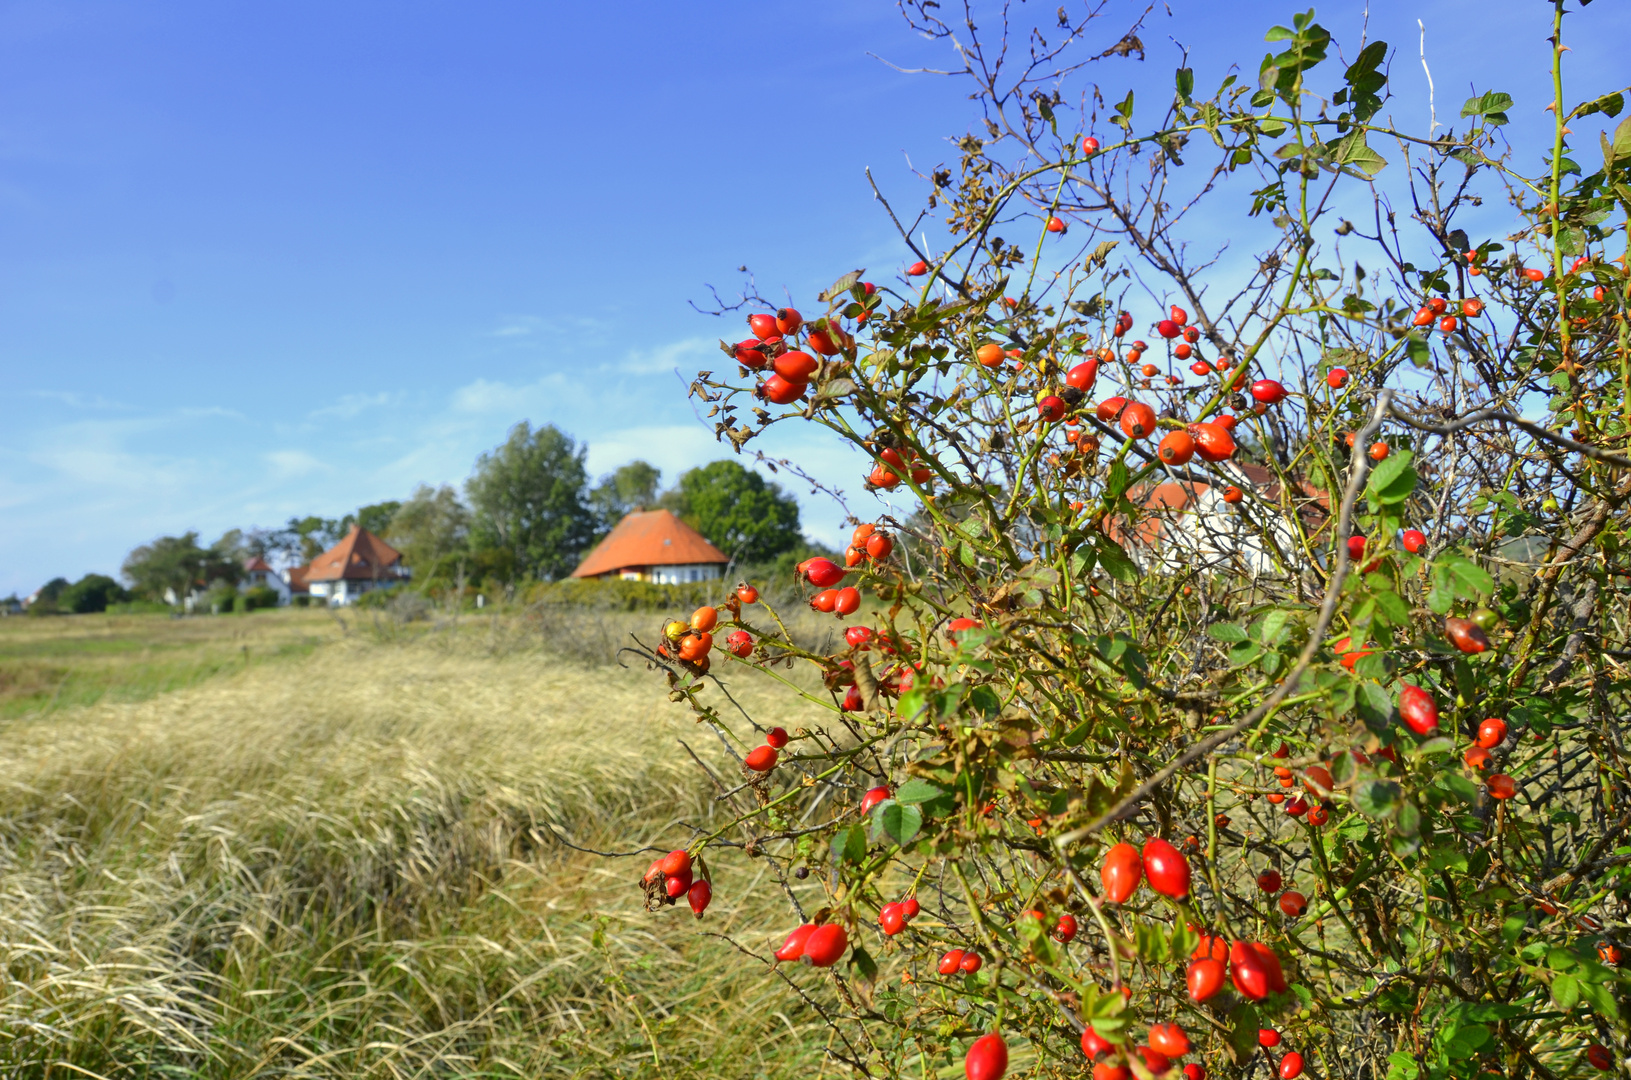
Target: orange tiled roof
[360, 556]
[1178, 496]
[257, 563]
[648, 538]
[297, 578]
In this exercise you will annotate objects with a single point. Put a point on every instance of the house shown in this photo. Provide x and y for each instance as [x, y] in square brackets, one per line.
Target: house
[359, 563]
[655, 546]
[258, 572]
[296, 577]
[1187, 525]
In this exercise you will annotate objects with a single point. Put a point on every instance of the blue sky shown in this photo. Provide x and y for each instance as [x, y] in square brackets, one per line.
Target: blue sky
[267, 260]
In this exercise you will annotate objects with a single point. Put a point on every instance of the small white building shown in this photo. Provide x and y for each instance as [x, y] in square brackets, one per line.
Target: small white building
[258, 572]
[655, 546]
[358, 564]
[1187, 525]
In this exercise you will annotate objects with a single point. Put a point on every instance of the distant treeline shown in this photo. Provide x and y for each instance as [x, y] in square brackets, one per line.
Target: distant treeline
[528, 513]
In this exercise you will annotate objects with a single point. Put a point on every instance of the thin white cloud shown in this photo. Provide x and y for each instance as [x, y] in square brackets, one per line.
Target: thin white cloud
[291, 464]
[515, 326]
[76, 400]
[484, 396]
[685, 355]
[349, 405]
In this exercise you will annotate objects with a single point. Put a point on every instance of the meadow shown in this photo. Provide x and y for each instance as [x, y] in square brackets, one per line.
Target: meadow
[283, 844]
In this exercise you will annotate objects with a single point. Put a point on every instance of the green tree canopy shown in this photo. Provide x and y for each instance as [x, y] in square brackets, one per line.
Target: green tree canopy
[376, 518]
[528, 498]
[629, 488]
[178, 563]
[45, 601]
[93, 592]
[433, 523]
[740, 512]
[310, 536]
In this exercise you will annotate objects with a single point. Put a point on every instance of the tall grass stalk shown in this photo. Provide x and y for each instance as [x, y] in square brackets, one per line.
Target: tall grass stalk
[351, 865]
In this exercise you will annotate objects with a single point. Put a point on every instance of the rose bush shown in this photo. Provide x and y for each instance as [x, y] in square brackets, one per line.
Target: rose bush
[1204, 581]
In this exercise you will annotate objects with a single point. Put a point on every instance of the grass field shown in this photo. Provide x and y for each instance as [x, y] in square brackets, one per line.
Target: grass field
[55, 663]
[339, 857]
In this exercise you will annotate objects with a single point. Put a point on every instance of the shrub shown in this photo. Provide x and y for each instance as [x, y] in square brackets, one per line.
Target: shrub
[91, 593]
[220, 600]
[258, 597]
[140, 607]
[1110, 663]
[613, 594]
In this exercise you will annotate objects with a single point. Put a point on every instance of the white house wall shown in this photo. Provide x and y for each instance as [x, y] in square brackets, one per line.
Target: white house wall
[1211, 534]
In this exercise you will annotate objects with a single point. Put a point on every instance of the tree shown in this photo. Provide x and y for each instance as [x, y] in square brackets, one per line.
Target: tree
[45, 600]
[178, 565]
[311, 535]
[631, 487]
[528, 497]
[741, 513]
[1353, 712]
[376, 518]
[91, 593]
[433, 523]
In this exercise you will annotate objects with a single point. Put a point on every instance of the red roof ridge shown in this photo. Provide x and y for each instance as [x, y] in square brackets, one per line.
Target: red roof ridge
[359, 556]
[649, 538]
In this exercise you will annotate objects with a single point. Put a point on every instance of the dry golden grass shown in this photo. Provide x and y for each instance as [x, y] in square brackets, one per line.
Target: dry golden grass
[346, 865]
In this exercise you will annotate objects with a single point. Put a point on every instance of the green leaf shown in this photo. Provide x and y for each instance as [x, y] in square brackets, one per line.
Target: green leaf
[1566, 991]
[1375, 707]
[1224, 631]
[1417, 350]
[1184, 940]
[1362, 75]
[1355, 156]
[1243, 1031]
[1491, 105]
[1461, 787]
[1392, 606]
[1274, 626]
[912, 704]
[840, 286]
[1608, 103]
[864, 965]
[1123, 117]
[1466, 1039]
[984, 700]
[1378, 799]
[934, 800]
[1115, 561]
[1118, 479]
[850, 844]
[1440, 745]
[1186, 83]
[1150, 941]
[917, 791]
[1601, 999]
[1622, 139]
[1393, 479]
[1469, 580]
[1082, 562]
[1401, 1066]
[900, 823]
